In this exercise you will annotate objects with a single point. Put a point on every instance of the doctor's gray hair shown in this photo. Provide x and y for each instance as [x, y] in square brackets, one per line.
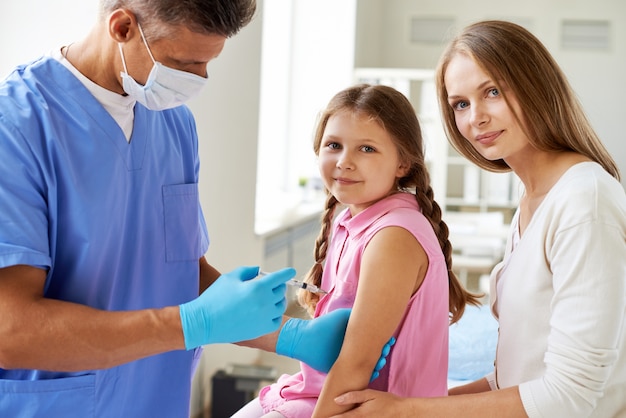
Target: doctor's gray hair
[213, 17]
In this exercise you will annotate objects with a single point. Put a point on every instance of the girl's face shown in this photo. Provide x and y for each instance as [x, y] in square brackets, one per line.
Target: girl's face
[358, 160]
[482, 115]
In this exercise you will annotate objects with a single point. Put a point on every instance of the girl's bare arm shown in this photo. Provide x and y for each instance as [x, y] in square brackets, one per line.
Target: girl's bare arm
[392, 268]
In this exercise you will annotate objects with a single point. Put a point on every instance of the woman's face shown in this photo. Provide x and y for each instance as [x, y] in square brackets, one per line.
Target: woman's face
[358, 160]
[482, 115]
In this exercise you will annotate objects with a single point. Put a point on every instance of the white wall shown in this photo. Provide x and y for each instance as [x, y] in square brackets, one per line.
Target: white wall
[308, 56]
[29, 28]
[227, 114]
[597, 76]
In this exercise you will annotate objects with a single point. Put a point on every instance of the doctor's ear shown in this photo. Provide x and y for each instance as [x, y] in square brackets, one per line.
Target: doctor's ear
[122, 25]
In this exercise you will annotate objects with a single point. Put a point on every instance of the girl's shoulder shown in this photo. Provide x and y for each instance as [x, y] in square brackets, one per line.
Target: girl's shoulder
[406, 214]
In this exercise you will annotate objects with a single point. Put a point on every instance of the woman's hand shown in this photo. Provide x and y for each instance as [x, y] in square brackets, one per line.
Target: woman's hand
[372, 403]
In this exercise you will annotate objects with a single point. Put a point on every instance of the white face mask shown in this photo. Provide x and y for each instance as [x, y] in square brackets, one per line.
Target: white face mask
[165, 87]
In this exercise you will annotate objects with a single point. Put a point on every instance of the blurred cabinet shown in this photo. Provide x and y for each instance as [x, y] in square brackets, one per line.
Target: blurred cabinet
[292, 246]
[472, 189]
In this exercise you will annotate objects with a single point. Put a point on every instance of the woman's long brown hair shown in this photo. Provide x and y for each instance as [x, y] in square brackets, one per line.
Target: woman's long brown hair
[552, 115]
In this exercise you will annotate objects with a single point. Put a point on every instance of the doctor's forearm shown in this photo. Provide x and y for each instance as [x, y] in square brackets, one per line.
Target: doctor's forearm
[41, 333]
[60, 336]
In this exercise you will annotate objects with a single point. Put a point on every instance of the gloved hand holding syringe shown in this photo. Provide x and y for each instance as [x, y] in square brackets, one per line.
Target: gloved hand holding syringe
[300, 284]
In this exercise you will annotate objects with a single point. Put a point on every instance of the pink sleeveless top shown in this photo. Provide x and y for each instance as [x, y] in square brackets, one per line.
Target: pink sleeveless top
[418, 363]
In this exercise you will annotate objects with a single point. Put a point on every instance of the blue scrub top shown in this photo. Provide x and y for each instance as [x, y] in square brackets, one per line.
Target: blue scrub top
[118, 225]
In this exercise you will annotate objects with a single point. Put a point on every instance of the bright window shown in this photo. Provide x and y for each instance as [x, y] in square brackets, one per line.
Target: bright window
[307, 57]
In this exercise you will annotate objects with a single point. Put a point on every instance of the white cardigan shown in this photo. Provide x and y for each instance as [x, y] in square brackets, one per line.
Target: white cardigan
[560, 300]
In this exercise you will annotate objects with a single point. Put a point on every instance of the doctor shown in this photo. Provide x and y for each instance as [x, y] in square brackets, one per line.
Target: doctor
[101, 232]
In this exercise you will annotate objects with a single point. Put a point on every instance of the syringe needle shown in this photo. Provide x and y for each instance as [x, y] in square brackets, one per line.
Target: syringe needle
[302, 285]
[309, 287]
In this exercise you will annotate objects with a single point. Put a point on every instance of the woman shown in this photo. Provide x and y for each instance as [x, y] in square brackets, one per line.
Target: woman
[560, 293]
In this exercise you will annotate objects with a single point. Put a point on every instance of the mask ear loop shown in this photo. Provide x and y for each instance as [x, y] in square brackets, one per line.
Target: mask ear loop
[119, 45]
[143, 38]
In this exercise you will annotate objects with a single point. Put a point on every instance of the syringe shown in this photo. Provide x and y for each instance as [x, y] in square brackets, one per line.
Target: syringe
[310, 287]
[302, 285]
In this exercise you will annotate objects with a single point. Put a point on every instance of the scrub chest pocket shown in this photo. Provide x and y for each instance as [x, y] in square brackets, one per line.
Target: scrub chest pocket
[70, 397]
[181, 211]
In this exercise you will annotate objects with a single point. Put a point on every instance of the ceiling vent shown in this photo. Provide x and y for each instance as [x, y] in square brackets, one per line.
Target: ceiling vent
[586, 34]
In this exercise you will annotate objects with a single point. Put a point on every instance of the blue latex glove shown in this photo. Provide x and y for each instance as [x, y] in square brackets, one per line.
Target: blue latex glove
[383, 358]
[317, 341]
[235, 308]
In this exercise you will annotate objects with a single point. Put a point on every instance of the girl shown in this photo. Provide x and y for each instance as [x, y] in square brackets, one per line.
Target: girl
[560, 293]
[386, 254]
